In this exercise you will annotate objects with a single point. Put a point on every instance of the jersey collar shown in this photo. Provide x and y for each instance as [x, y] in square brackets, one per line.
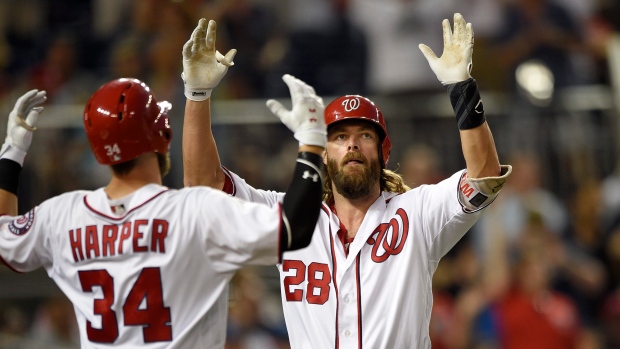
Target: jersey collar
[98, 201]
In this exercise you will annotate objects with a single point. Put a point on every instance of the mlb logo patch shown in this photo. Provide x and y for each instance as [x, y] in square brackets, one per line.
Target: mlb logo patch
[478, 199]
[22, 225]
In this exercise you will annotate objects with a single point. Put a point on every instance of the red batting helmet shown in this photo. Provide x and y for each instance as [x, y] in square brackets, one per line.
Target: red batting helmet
[358, 107]
[123, 121]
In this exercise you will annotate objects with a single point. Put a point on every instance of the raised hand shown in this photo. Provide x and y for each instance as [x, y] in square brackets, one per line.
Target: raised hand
[306, 118]
[203, 66]
[21, 124]
[455, 62]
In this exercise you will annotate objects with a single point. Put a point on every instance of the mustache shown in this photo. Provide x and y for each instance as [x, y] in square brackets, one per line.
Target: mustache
[354, 155]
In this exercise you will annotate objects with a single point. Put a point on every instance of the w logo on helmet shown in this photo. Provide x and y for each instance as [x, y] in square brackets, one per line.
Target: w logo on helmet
[351, 104]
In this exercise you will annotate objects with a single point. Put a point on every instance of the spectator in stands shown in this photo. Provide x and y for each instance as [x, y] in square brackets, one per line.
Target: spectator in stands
[542, 30]
[524, 196]
[325, 49]
[421, 164]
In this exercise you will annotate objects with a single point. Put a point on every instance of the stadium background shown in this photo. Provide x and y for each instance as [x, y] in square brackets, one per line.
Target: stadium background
[550, 78]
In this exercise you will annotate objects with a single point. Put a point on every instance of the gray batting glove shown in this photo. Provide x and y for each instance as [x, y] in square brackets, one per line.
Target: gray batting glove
[19, 130]
[306, 118]
[203, 66]
[455, 62]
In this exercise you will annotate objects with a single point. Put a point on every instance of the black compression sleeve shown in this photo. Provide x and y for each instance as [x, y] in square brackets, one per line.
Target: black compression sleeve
[9, 175]
[467, 105]
[302, 202]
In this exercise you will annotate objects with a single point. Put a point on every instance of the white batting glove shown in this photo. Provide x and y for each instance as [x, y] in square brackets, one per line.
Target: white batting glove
[455, 62]
[203, 66]
[306, 118]
[19, 130]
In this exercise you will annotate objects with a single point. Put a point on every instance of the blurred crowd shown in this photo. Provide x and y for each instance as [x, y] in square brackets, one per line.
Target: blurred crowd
[540, 270]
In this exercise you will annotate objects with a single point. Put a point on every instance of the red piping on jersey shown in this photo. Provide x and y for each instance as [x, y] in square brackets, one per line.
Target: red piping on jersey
[229, 183]
[357, 277]
[127, 213]
[334, 272]
[325, 209]
[342, 236]
[359, 301]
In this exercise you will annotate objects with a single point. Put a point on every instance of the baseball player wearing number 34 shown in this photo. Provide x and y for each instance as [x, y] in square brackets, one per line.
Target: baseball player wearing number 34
[365, 279]
[146, 266]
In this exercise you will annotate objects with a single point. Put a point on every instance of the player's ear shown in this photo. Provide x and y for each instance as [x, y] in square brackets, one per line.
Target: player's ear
[325, 157]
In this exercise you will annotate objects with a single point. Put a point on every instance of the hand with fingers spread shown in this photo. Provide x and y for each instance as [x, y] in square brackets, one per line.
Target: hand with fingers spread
[455, 62]
[203, 66]
[306, 118]
[21, 124]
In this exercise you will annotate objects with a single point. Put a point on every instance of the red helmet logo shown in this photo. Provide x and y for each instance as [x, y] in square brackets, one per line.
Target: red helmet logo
[351, 104]
[358, 107]
[123, 120]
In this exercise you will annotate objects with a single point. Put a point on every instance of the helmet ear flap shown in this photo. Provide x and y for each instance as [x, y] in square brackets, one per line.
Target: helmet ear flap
[384, 152]
[359, 107]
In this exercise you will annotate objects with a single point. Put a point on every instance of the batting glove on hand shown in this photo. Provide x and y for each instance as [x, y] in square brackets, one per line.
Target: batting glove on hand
[306, 118]
[455, 62]
[19, 130]
[203, 66]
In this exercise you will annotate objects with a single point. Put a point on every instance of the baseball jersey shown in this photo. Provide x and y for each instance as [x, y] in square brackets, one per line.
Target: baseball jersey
[150, 270]
[379, 294]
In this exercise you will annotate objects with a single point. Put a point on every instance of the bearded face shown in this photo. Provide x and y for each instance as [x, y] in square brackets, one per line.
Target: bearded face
[355, 176]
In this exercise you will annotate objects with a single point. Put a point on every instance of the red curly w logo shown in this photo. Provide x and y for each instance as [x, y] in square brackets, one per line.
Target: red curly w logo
[389, 239]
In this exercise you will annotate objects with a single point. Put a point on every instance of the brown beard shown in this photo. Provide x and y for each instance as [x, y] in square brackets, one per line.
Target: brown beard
[355, 185]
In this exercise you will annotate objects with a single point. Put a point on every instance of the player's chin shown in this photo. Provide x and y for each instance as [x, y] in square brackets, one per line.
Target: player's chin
[356, 173]
[354, 168]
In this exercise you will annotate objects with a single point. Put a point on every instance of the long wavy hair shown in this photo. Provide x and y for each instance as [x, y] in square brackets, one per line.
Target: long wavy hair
[390, 181]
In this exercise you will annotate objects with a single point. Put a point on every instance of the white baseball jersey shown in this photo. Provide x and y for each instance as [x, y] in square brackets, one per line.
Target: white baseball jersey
[150, 270]
[378, 295]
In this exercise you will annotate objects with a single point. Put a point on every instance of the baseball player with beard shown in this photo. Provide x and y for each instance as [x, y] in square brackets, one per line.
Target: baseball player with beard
[365, 280]
[144, 265]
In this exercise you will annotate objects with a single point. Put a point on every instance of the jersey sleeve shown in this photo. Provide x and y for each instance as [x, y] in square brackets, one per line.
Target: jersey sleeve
[237, 232]
[239, 188]
[445, 220]
[24, 243]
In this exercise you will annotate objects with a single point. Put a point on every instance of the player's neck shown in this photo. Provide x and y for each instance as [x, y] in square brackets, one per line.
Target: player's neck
[144, 173]
[351, 213]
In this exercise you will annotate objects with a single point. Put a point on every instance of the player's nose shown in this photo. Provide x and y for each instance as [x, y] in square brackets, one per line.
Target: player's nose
[352, 143]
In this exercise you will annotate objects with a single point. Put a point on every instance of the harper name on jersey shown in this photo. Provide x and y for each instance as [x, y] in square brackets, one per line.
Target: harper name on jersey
[125, 272]
[94, 241]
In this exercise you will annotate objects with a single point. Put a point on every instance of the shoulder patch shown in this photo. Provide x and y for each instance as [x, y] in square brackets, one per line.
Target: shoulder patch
[21, 225]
